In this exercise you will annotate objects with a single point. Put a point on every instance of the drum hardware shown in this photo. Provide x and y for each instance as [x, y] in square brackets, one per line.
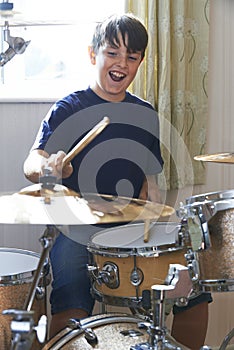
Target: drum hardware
[136, 275]
[89, 334]
[192, 266]
[108, 275]
[22, 326]
[197, 217]
[179, 289]
[212, 269]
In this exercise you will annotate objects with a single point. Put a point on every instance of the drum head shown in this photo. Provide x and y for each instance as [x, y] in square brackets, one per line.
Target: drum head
[129, 237]
[17, 261]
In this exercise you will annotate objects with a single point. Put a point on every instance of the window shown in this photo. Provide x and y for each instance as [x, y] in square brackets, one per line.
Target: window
[56, 59]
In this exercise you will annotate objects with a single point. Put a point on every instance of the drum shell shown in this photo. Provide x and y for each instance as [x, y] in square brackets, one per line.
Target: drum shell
[14, 289]
[153, 261]
[215, 265]
[107, 328]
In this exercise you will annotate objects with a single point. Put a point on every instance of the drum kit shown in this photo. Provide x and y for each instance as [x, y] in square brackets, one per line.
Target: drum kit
[143, 263]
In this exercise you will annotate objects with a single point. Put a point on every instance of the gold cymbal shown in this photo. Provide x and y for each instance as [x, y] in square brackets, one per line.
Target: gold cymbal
[62, 207]
[217, 158]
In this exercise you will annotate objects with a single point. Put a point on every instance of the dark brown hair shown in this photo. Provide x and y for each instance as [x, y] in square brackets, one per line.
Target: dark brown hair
[128, 26]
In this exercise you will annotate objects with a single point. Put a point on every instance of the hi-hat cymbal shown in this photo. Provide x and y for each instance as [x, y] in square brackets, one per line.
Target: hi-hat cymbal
[56, 209]
[217, 158]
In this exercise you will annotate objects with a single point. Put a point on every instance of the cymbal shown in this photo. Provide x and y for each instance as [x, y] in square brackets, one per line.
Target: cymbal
[21, 208]
[218, 158]
[57, 190]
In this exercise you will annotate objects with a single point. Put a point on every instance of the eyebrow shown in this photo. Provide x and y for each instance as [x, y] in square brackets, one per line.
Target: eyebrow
[113, 46]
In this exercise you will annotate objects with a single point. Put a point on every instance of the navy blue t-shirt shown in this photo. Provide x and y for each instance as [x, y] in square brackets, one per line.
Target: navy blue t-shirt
[118, 159]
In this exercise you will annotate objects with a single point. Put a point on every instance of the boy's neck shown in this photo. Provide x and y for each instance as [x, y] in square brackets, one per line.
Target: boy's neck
[106, 96]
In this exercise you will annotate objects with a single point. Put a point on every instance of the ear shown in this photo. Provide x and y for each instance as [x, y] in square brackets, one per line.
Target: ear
[92, 55]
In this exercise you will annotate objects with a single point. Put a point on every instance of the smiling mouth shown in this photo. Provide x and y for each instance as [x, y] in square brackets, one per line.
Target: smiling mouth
[116, 76]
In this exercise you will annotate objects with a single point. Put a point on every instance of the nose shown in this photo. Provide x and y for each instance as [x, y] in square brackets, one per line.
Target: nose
[122, 61]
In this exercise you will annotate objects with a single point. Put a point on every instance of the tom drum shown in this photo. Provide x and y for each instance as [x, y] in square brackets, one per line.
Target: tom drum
[16, 274]
[214, 267]
[124, 265]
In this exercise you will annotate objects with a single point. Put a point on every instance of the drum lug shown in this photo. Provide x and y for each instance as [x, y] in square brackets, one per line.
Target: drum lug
[183, 238]
[136, 277]
[203, 212]
[40, 293]
[109, 275]
[192, 266]
[90, 335]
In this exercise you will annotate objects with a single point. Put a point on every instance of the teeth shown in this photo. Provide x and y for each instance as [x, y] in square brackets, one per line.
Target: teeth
[118, 75]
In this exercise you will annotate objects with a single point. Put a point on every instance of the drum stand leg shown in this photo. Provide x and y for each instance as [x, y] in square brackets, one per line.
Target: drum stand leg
[157, 330]
[180, 289]
[22, 326]
[227, 340]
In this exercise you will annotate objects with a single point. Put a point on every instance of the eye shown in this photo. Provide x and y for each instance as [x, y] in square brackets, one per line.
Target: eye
[111, 53]
[133, 58]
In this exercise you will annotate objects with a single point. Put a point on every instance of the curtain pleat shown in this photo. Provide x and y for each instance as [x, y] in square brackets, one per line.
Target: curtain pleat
[174, 78]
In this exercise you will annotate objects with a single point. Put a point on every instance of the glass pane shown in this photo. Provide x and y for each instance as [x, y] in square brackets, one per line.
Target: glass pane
[56, 52]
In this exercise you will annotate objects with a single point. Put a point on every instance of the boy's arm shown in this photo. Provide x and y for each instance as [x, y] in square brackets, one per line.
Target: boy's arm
[150, 190]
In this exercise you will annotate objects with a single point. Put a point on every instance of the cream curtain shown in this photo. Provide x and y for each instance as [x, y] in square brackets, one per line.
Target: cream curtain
[173, 77]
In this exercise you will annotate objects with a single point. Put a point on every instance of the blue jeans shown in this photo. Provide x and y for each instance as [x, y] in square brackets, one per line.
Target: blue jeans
[71, 284]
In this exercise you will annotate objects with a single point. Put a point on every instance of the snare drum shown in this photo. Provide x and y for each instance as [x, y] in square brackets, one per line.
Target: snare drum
[17, 269]
[112, 331]
[214, 267]
[124, 266]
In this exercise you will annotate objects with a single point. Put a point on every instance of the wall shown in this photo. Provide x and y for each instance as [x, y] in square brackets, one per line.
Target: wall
[19, 123]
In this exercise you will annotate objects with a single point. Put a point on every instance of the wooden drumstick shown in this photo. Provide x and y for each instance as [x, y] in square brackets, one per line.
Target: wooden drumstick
[146, 230]
[86, 140]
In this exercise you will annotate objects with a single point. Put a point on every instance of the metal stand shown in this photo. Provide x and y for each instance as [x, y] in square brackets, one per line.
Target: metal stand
[179, 289]
[22, 326]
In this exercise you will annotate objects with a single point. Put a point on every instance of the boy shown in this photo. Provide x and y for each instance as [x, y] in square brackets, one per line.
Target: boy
[117, 50]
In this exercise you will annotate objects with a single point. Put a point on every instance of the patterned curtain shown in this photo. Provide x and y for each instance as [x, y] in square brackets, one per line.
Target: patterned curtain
[173, 77]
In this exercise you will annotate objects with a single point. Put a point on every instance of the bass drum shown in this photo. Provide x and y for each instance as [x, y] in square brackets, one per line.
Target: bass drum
[112, 331]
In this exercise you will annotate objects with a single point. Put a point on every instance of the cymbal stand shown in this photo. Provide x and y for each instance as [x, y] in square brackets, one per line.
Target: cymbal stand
[178, 291]
[22, 325]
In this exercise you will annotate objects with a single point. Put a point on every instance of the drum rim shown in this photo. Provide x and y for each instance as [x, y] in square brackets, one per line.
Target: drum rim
[211, 196]
[153, 250]
[92, 321]
[97, 320]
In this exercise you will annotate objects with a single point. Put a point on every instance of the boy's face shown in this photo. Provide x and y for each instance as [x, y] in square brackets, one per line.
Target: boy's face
[115, 70]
